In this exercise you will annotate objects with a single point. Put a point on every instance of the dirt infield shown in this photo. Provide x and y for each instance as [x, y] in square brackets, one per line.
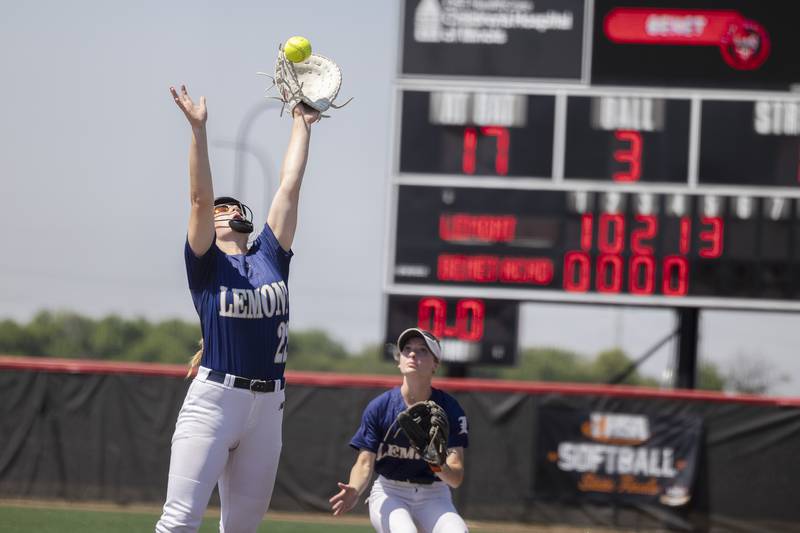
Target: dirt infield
[320, 518]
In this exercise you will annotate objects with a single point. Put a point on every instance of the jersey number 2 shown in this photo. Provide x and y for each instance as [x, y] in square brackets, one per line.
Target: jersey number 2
[283, 342]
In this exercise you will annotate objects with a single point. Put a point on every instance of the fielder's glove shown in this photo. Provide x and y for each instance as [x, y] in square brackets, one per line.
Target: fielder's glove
[426, 426]
[315, 82]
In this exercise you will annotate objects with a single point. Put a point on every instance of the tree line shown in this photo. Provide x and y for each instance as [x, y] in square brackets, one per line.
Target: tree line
[70, 335]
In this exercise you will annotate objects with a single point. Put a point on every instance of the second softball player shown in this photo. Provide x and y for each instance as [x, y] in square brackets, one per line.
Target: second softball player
[408, 496]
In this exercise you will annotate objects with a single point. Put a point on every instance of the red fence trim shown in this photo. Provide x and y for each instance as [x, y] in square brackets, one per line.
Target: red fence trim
[324, 379]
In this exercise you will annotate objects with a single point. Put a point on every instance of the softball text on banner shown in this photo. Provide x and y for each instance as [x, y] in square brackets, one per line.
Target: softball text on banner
[616, 457]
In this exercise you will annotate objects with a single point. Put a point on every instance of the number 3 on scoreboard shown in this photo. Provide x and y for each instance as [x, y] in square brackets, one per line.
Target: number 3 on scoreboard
[632, 156]
[283, 342]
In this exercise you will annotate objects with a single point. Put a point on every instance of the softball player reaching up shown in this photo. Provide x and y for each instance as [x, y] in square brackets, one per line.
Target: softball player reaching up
[228, 430]
[408, 496]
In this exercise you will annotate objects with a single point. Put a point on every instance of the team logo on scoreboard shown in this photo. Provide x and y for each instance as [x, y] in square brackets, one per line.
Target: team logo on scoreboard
[743, 43]
[746, 45]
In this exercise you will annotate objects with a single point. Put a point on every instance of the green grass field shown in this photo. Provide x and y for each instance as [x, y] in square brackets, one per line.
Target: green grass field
[30, 519]
[28, 516]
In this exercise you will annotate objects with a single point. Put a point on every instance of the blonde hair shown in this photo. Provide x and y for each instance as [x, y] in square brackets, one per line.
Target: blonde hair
[194, 363]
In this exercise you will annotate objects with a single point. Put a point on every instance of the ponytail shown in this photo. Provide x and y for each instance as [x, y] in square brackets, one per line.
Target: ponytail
[194, 363]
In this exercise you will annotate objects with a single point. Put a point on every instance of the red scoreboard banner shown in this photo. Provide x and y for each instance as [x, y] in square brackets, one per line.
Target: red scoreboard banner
[744, 44]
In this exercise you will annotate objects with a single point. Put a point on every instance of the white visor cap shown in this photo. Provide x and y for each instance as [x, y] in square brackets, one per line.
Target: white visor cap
[430, 339]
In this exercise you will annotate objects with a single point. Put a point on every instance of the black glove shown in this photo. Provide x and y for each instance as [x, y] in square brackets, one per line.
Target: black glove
[426, 426]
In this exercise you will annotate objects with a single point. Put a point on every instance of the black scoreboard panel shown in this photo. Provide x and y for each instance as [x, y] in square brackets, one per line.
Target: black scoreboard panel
[727, 229]
[623, 137]
[472, 330]
[726, 44]
[750, 143]
[444, 132]
[627, 138]
[506, 39]
[669, 246]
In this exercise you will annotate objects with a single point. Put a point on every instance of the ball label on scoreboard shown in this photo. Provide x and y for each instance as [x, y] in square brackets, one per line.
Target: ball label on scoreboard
[610, 113]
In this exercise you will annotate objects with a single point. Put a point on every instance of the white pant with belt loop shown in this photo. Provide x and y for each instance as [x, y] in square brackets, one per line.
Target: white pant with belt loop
[403, 507]
[228, 436]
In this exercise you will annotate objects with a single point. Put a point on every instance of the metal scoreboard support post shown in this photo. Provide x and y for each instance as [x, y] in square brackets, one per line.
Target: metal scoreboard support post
[543, 157]
[688, 321]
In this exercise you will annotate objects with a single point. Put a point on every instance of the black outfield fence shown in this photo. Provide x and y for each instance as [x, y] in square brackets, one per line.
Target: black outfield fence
[539, 453]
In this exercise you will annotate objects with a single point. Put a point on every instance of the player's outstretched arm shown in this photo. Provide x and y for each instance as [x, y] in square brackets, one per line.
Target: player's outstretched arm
[360, 474]
[282, 216]
[452, 471]
[201, 191]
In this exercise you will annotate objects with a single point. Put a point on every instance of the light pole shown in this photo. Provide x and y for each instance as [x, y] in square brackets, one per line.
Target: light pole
[243, 147]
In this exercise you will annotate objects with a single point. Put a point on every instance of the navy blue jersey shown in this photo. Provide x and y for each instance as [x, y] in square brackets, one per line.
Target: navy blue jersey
[243, 304]
[396, 458]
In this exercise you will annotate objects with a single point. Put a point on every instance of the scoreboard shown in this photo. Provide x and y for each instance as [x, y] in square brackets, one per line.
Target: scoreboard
[638, 153]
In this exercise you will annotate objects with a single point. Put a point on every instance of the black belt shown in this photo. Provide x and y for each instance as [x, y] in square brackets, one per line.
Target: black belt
[419, 480]
[255, 385]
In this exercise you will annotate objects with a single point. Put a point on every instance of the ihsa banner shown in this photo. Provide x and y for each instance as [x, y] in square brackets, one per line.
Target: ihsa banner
[616, 456]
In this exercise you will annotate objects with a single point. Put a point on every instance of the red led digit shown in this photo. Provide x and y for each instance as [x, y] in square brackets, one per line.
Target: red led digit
[502, 146]
[431, 315]
[686, 235]
[675, 277]
[642, 274]
[609, 273]
[503, 143]
[611, 241]
[586, 232]
[713, 237]
[469, 320]
[632, 156]
[647, 232]
[577, 273]
[470, 144]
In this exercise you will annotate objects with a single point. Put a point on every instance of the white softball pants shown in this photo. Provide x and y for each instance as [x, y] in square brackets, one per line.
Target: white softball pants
[227, 436]
[402, 507]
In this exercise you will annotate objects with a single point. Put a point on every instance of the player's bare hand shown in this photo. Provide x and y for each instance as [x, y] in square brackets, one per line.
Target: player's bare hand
[307, 113]
[344, 500]
[196, 113]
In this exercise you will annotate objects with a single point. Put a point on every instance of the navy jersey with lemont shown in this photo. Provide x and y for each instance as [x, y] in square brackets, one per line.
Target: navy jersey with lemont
[243, 304]
[395, 457]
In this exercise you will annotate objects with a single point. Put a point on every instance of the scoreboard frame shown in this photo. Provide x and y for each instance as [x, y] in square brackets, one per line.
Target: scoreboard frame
[563, 90]
[558, 182]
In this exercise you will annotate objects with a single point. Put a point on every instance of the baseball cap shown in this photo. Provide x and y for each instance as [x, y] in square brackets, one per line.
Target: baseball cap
[430, 339]
[227, 200]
